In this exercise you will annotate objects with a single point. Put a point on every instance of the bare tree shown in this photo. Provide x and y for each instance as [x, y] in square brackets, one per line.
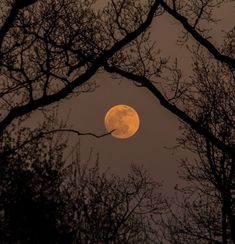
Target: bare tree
[203, 211]
[116, 210]
[204, 102]
[193, 217]
[209, 196]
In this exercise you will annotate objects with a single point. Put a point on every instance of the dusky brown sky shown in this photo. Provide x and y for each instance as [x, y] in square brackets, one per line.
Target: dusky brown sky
[158, 127]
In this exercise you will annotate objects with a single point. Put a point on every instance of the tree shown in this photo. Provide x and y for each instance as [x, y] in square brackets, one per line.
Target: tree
[32, 202]
[115, 210]
[203, 211]
[205, 105]
[209, 196]
[193, 217]
[45, 199]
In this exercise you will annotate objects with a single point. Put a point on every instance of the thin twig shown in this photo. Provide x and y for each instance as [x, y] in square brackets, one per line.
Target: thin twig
[43, 134]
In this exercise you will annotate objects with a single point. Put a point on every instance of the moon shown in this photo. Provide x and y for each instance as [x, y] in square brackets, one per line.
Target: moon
[122, 120]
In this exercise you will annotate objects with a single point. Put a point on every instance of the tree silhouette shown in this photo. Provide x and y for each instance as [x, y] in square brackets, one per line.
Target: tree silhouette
[208, 203]
[32, 201]
[194, 217]
[44, 199]
[116, 210]
[204, 102]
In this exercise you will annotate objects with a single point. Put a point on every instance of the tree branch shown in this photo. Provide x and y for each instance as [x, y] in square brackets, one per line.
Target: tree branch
[198, 37]
[16, 7]
[43, 134]
[174, 109]
[48, 99]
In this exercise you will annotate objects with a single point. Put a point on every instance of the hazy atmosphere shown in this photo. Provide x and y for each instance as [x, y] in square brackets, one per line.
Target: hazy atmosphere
[160, 167]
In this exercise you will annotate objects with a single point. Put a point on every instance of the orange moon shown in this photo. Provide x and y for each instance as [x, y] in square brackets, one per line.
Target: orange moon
[123, 120]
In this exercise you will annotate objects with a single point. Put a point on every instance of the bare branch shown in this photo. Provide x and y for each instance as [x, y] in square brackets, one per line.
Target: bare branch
[198, 37]
[175, 110]
[45, 133]
[16, 7]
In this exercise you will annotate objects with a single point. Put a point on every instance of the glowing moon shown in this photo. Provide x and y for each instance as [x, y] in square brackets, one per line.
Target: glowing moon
[123, 120]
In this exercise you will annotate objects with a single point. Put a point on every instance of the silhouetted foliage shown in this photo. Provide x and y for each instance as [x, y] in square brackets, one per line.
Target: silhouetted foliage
[32, 202]
[44, 199]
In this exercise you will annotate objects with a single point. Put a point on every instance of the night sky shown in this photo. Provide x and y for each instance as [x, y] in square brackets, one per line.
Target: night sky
[158, 127]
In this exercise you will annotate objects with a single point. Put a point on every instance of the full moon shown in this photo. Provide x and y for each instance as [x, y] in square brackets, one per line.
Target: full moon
[122, 120]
